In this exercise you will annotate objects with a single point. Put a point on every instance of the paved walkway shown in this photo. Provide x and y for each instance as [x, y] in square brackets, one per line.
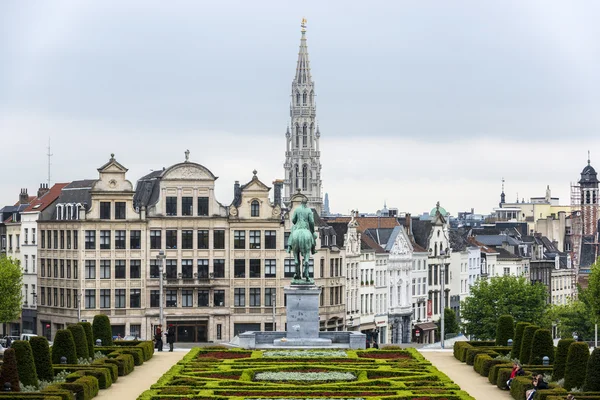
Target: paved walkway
[131, 386]
[464, 376]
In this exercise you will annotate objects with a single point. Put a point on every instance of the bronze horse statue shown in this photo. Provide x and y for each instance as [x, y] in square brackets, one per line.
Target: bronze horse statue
[302, 241]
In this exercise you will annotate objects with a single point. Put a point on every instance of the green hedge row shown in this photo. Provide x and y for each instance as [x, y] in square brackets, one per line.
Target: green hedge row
[102, 373]
[147, 346]
[30, 396]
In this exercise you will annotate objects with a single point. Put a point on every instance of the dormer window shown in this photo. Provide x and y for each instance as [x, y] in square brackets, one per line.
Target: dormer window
[105, 210]
[254, 208]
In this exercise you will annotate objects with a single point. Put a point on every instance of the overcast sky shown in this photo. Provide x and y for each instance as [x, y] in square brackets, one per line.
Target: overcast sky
[417, 101]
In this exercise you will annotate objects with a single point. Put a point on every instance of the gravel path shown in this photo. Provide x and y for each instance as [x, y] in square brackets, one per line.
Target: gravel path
[464, 376]
[131, 386]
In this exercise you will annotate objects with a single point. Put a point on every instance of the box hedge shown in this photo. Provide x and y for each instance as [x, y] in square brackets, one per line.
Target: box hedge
[84, 387]
[516, 347]
[30, 396]
[526, 342]
[542, 346]
[505, 329]
[495, 370]
[592, 379]
[102, 373]
[560, 360]
[147, 346]
[460, 350]
[102, 330]
[488, 364]
[64, 346]
[41, 357]
[25, 363]
[89, 336]
[81, 344]
[575, 370]
[136, 352]
[9, 372]
[520, 385]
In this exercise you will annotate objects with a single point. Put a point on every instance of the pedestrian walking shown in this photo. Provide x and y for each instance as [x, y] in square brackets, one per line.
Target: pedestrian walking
[158, 338]
[171, 337]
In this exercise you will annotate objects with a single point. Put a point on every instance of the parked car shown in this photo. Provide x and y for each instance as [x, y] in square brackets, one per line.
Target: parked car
[2, 352]
[130, 337]
[12, 339]
[27, 336]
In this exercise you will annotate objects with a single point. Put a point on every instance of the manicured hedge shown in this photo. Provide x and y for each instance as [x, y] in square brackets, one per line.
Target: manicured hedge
[100, 372]
[9, 371]
[124, 362]
[542, 346]
[460, 350]
[25, 363]
[471, 353]
[495, 370]
[560, 361]
[526, 342]
[488, 364]
[30, 396]
[102, 330]
[505, 330]
[479, 360]
[592, 379]
[89, 336]
[516, 347]
[85, 387]
[577, 360]
[55, 390]
[41, 358]
[81, 344]
[520, 385]
[147, 346]
[64, 346]
[136, 352]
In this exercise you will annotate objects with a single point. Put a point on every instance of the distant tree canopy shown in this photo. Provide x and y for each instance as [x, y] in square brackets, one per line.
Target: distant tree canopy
[11, 282]
[503, 295]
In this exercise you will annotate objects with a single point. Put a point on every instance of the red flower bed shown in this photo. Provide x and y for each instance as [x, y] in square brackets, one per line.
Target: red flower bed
[223, 355]
[384, 355]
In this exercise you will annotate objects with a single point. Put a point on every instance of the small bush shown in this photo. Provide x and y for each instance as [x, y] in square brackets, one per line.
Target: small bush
[460, 350]
[505, 329]
[64, 346]
[542, 346]
[526, 342]
[89, 336]
[577, 359]
[102, 330]
[25, 363]
[81, 344]
[516, 347]
[9, 371]
[560, 360]
[592, 379]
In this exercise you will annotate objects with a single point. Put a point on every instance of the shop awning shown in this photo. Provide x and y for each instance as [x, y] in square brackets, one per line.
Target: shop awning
[426, 326]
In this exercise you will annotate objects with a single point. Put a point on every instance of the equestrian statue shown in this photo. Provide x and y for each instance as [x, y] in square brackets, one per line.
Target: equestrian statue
[302, 242]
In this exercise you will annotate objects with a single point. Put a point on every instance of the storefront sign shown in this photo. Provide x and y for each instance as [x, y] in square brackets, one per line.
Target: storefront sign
[429, 308]
[380, 323]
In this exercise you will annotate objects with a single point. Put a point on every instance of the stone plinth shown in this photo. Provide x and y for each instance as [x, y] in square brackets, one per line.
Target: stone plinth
[302, 311]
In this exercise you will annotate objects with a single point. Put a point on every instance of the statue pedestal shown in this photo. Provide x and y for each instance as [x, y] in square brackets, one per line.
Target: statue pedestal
[302, 317]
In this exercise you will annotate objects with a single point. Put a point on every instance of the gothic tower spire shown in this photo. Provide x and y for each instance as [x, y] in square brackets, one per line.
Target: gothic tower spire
[302, 158]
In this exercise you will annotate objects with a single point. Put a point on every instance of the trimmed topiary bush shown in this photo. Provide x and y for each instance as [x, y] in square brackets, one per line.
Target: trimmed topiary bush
[89, 335]
[25, 363]
[516, 347]
[9, 370]
[102, 330]
[64, 346]
[505, 329]
[560, 361]
[592, 379]
[81, 344]
[577, 360]
[542, 346]
[526, 342]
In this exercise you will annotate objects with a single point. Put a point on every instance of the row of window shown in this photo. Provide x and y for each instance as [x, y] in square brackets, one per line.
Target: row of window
[26, 236]
[187, 206]
[135, 239]
[63, 239]
[61, 268]
[106, 208]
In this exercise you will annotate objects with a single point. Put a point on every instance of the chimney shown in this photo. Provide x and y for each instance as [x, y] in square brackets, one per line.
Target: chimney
[277, 186]
[408, 223]
[237, 194]
[23, 197]
[43, 189]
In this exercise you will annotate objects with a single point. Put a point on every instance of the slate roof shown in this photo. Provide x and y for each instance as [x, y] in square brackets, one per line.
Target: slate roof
[497, 240]
[147, 189]
[41, 203]
[380, 236]
[482, 247]
[505, 254]
[74, 193]
[458, 239]
[366, 243]
[340, 229]
[365, 223]
[421, 230]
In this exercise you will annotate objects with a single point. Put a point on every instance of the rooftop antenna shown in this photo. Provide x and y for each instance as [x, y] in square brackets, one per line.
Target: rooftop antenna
[49, 163]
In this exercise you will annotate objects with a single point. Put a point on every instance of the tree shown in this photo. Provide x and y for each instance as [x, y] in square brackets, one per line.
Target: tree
[102, 329]
[503, 295]
[542, 346]
[41, 357]
[560, 362]
[577, 360]
[64, 346]
[526, 342]
[11, 283]
[591, 295]
[25, 365]
[516, 349]
[450, 323]
[9, 371]
[571, 317]
[505, 330]
[81, 344]
[592, 380]
[89, 335]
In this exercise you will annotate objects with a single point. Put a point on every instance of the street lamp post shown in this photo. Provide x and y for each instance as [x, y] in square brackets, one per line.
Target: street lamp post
[160, 257]
[443, 308]
[274, 305]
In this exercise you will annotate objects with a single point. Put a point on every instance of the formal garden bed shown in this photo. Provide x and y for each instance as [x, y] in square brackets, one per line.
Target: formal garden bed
[219, 374]
[568, 368]
[74, 368]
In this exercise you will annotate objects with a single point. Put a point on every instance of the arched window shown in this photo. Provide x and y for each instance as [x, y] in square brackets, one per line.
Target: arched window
[304, 98]
[297, 185]
[254, 208]
[297, 135]
[312, 96]
[297, 98]
[304, 135]
[304, 177]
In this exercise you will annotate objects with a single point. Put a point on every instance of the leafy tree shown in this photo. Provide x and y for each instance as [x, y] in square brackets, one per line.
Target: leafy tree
[560, 362]
[542, 346]
[526, 342]
[81, 344]
[505, 330]
[102, 329]
[25, 365]
[64, 346]
[11, 282]
[9, 371]
[516, 349]
[592, 380]
[89, 335]
[571, 317]
[450, 322]
[41, 357]
[502, 295]
[591, 295]
[577, 361]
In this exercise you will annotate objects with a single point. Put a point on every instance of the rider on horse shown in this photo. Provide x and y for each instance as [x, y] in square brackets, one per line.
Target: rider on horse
[302, 240]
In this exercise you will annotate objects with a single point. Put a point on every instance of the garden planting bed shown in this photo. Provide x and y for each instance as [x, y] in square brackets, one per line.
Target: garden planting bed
[217, 374]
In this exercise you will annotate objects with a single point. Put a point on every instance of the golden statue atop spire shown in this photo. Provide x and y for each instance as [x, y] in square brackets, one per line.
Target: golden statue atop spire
[303, 25]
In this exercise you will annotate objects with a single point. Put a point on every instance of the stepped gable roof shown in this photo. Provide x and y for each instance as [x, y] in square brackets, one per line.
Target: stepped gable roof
[41, 203]
[506, 255]
[421, 231]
